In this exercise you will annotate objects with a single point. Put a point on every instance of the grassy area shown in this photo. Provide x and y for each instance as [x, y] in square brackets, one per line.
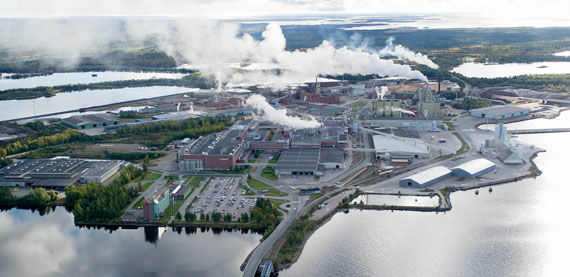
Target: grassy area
[172, 177]
[152, 176]
[247, 190]
[268, 173]
[251, 161]
[149, 178]
[171, 210]
[237, 170]
[194, 181]
[278, 202]
[261, 186]
[464, 146]
[315, 195]
[139, 203]
[274, 160]
[148, 185]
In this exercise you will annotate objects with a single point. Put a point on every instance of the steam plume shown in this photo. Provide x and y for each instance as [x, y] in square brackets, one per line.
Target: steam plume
[208, 45]
[404, 53]
[267, 112]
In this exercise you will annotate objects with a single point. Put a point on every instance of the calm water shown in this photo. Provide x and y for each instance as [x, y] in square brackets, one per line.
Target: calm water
[563, 54]
[58, 79]
[480, 70]
[402, 200]
[50, 245]
[12, 109]
[520, 229]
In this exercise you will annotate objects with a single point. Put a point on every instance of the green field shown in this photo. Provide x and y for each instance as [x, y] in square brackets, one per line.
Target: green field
[260, 186]
[269, 173]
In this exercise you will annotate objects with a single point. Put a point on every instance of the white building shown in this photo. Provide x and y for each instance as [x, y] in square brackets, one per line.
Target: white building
[427, 177]
[499, 112]
[473, 168]
[388, 147]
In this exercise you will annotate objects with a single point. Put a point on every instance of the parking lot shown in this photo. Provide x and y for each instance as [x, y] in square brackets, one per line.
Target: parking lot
[224, 196]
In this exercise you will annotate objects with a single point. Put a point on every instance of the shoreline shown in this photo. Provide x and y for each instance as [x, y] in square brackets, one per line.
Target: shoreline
[444, 195]
[91, 107]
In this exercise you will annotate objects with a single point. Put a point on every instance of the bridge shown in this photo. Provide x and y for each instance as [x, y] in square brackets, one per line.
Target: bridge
[539, 131]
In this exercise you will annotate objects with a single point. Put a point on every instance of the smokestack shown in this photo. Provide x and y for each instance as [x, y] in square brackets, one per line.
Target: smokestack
[178, 107]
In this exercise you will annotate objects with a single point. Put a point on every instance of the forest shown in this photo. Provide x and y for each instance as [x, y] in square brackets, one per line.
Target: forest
[159, 134]
[98, 203]
[193, 80]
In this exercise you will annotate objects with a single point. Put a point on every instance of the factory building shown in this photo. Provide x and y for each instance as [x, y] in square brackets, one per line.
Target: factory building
[388, 108]
[156, 204]
[389, 147]
[215, 152]
[427, 105]
[89, 121]
[427, 177]
[309, 161]
[473, 168]
[499, 112]
[415, 124]
[331, 158]
[298, 162]
[57, 172]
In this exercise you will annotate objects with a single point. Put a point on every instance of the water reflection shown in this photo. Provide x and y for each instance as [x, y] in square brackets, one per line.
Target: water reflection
[13, 109]
[518, 230]
[58, 79]
[55, 246]
[480, 70]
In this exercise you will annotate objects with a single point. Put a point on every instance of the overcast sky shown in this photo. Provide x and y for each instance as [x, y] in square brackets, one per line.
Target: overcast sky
[247, 8]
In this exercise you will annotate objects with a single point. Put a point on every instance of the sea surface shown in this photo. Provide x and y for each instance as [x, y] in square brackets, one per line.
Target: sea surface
[518, 229]
[58, 79]
[480, 70]
[51, 245]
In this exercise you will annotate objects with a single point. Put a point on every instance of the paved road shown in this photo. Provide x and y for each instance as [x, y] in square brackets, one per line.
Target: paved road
[145, 194]
[297, 209]
[259, 252]
[195, 193]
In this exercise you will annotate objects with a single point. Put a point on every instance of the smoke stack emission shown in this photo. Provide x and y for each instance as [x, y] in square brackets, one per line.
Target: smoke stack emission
[402, 52]
[267, 112]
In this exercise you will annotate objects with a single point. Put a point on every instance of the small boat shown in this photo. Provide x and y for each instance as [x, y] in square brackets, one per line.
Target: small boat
[490, 189]
[477, 192]
[93, 75]
[542, 66]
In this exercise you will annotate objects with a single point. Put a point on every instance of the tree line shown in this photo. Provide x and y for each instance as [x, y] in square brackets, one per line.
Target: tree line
[168, 131]
[193, 80]
[98, 203]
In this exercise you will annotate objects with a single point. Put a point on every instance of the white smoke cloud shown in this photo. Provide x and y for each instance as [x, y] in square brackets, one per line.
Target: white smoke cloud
[404, 53]
[381, 92]
[268, 112]
[205, 44]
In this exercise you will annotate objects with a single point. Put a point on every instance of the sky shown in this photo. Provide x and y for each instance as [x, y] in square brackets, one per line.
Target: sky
[231, 9]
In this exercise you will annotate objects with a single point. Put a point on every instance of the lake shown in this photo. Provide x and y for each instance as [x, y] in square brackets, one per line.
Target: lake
[61, 102]
[480, 70]
[58, 79]
[519, 229]
[51, 245]
[563, 54]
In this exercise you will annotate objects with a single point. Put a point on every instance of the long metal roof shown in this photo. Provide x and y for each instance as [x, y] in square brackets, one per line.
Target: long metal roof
[390, 144]
[429, 174]
[474, 166]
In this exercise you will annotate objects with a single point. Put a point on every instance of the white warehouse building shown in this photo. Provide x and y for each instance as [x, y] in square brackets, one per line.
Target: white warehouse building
[388, 147]
[427, 177]
[474, 168]
[499, 112]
